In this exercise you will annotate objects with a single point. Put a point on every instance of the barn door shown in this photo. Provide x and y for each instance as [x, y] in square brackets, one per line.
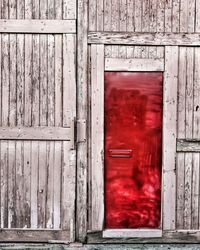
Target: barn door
[38, 108]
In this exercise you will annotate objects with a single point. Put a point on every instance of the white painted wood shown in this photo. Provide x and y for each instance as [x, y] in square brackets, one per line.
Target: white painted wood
[97, 135]
[132, 233]
[35, 133]
[120, 64]
[164, 39]
[169, 137]
[37, 26]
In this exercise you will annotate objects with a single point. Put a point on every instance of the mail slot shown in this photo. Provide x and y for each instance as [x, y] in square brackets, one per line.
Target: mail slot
[133, 150]
[121, 153]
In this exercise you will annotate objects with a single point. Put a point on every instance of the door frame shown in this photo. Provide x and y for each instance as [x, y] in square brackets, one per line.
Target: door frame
[100, 64]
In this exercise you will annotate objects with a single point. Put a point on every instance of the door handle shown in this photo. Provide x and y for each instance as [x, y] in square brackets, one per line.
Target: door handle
[120, 153]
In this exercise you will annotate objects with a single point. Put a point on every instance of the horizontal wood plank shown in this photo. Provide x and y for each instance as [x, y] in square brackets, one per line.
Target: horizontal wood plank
[180, 236]
[121, 64]
[132, 233]
[37, 26]
[36, 133]
[188, 145]
[154, 39]
[29, 235]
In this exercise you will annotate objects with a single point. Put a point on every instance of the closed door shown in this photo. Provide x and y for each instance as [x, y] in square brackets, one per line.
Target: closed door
[133, 149]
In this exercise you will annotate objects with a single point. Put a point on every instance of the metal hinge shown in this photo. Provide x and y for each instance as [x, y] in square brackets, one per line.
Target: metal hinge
[80, 131]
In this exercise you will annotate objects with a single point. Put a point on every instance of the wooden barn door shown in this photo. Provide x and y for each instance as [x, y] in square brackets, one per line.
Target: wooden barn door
[37, 111]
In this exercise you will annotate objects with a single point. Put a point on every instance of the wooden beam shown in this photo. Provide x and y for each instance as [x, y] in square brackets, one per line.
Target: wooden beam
[121, 64]
[97, 135]
[37, 26]
[29, 235]
[82, 62]
[169, 137]
[153, 39]
[132, 233]
[36, 133]
[188, 145]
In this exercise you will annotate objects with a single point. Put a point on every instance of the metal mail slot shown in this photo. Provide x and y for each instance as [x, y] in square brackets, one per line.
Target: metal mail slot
[120, 153]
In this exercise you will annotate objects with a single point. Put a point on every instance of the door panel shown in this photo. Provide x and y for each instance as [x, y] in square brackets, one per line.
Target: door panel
[133, 149]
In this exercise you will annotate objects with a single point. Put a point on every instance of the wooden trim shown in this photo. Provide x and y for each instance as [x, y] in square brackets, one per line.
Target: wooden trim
[120, 64]
[36, 133]
[169, 137]
[188, 145]
[29, 235]
[82, 66]
[153, 39]
[97, 135]
[179, 236]
[37, 26]
[132, 233]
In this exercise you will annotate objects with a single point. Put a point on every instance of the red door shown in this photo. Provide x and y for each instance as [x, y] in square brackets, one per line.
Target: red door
[133, 149]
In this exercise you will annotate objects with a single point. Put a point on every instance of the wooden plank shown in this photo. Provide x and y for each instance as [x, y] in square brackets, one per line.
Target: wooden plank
[179, 236]
[69, 9]
[81, 198]
[118, 64]
[4, 184]
[176, 16]
[183, 16]
[166, 39]
[35, 133]
[196, 106]
[195, 192]
[168, 16]
[11, 185]
[197, 20]
[92, 15]
[132, 233]
[68, 190]
[130, 16]
[57, 184]
[189, 93]
[5, 79]
[37, 26]
[34, 183]
[191, 15]
[30, 235]
[188, 145]
[187, 191]
[107, 15]
[97, 134]
[100, 15]
[169, 137]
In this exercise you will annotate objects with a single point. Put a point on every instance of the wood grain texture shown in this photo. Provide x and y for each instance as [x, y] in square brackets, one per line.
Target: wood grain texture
[97, 134]
[169, 137]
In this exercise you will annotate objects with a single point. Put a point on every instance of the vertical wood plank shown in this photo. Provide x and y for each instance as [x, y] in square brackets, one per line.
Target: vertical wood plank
[191, 16]
[181, 134]
[19, 185]
[92, 15]
[97, 134]
[69, 9]
[11, 186]
[195, 192]
[115, 24]
[81, 206]
[183, 16]
[176, 16]
[169, 137]
[100, 15]
[4, 184]
[188, 191]
[197, 14]
[122, 25]
[168, 16]
[107, 15]
[196, 107]
[189, 93]
[34, 183]
[42, 184]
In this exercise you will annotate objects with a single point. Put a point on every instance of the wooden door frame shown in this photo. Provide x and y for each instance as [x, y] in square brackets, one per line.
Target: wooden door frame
[98, 66]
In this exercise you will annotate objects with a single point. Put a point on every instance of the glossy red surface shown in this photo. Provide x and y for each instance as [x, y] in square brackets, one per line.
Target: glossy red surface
[133, 149]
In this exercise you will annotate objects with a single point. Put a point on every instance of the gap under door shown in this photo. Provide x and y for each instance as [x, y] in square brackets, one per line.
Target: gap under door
[133, 149]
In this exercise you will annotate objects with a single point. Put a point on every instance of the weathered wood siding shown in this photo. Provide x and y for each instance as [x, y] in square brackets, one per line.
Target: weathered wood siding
[188, 163]
[145, 16]
[38, 99]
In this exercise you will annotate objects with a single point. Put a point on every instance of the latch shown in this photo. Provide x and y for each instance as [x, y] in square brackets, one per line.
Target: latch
[80, 130]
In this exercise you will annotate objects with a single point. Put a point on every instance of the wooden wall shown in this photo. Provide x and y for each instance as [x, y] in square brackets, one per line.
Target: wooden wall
[144, 16]
[37, 100]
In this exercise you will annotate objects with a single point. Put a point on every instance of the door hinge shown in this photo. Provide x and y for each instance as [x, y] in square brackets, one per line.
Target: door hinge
[80, 131]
